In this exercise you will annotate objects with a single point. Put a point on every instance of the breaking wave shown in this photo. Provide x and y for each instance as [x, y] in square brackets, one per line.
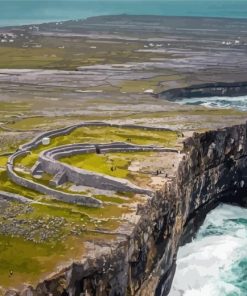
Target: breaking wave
[239, 103]
[215, 263]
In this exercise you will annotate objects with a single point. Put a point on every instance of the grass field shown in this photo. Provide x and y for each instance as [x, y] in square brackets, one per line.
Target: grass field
[112, 164]
[113, 134]
[39, 52]
[104, 135]
[30, 262]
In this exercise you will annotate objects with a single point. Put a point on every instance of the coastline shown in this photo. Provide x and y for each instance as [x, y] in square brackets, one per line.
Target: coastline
[71, 78]
[144, 262]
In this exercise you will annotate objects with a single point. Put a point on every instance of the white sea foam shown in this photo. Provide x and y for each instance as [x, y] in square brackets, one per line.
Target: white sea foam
[207, 266]
[239, 103]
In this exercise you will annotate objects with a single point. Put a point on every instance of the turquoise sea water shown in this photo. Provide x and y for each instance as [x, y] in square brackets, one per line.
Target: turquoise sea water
[215, 263]
[239, 103]
[16, 12]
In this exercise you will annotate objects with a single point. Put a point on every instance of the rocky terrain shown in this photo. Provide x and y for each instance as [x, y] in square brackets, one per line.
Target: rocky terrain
[120, 70]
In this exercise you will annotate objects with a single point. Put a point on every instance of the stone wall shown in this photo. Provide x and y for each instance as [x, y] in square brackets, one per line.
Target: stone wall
[62, 196]
[14, 197]
[64, 131]
[87, 178]
[69, 150]
[48, 160]
[213, 169]
[49, 163]
[78, 176]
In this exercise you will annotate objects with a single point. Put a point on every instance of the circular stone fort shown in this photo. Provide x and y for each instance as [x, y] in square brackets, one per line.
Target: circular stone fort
[49, 163]
[77, 193]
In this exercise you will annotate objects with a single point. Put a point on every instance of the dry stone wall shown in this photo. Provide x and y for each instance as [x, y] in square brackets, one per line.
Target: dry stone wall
[67, 130]
[62, 196]
[48, 163]
[14, 197]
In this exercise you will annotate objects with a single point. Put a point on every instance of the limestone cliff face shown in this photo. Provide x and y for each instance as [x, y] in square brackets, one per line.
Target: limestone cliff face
[213, 169]
[206, 90]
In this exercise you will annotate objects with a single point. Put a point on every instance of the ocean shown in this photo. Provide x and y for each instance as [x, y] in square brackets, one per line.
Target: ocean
[238, 103]
[215, 263]
[19, 12]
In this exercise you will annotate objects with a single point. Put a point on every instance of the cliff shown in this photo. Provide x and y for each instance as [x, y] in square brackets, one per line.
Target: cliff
[206, 90]
[213, 170]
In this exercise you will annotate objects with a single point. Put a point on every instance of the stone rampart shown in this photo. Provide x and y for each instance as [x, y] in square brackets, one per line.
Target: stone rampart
[62, 196]
[63, 131]
[48, 163]
[90, 179]
[48, 159]
[14, 197]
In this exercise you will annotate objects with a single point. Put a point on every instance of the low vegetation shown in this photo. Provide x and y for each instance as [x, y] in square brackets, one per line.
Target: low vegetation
[112, 164]
[39, 52]
[59, 229]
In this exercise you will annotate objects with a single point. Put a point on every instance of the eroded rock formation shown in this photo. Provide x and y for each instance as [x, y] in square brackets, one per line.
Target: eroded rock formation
[206, 90]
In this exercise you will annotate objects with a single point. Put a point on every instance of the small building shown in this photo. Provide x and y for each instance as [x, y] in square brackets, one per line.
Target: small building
[46, 141]
[149, 91]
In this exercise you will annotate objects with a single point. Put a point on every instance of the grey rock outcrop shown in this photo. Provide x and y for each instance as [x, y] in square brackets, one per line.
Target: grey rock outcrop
[206, 90]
